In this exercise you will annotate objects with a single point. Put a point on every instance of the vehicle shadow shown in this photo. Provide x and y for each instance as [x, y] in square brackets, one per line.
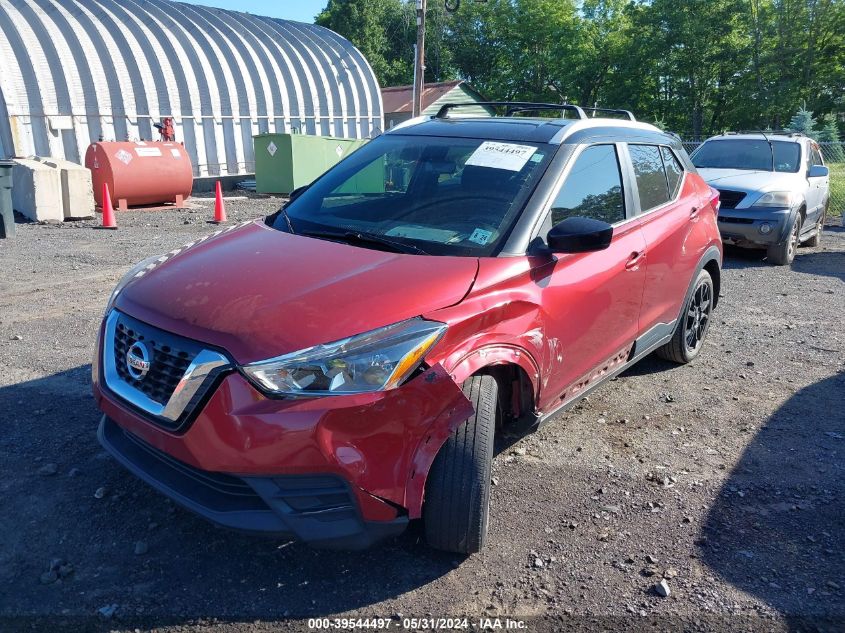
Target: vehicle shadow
[825, 263]
[777, 527]
[807, 260]
[651, 364]
[736, 257]
[52, 471]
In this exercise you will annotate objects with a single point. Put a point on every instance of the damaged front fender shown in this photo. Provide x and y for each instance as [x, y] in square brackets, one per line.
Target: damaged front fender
[412, 421]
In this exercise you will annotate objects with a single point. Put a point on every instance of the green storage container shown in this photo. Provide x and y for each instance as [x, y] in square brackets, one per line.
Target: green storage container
[284, 162]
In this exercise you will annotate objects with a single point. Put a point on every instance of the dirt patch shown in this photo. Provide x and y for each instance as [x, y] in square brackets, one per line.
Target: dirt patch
[724, 477]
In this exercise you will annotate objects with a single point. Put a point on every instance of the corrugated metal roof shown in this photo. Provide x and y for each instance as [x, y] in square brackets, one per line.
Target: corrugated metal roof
[73, 71]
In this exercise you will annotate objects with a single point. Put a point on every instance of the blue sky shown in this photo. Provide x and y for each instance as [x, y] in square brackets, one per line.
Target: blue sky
[300, 10]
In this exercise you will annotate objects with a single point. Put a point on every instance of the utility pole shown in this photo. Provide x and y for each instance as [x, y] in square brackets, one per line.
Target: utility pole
[419, 59]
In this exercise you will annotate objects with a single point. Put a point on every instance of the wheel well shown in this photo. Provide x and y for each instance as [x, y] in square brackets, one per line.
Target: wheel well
[516, 391]
[712, 267]
[803, 213]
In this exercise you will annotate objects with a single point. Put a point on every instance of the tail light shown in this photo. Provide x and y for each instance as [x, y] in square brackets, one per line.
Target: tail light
[714, 200]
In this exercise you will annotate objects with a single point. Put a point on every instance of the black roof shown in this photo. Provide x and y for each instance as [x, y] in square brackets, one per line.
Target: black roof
[494, 128]
[534, 130]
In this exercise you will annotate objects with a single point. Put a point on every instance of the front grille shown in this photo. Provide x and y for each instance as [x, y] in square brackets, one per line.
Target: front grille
[730, 199]
[170, 356]
[171, 386]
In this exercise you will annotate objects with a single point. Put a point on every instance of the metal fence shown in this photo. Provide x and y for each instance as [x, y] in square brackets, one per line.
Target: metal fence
[834, 158]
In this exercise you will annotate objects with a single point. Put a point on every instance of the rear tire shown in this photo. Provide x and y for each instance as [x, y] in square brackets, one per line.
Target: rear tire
[457, 492]
[782, 254]
[691, 330]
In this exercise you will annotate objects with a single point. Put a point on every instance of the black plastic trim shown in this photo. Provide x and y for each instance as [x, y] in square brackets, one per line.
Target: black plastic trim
[318, 509]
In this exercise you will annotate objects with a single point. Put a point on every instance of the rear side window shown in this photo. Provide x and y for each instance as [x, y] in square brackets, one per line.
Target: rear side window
[815, 156]
[674, 171]
[593, 188]
[651, 177]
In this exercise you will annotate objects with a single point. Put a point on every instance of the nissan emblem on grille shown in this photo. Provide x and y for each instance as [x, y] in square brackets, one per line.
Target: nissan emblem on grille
[138, 360]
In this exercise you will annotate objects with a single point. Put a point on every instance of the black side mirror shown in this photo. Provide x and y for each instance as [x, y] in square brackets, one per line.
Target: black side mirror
[297, 192]
[579, 235]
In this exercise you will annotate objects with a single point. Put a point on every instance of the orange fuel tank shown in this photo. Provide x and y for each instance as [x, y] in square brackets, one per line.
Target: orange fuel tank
[142, 173]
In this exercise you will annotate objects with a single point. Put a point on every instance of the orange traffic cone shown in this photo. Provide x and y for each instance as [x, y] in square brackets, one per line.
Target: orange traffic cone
[219, 207]
[108, 211]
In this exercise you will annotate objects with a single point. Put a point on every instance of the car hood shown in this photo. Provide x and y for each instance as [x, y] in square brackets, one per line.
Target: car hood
[258, 293]
[749, 181]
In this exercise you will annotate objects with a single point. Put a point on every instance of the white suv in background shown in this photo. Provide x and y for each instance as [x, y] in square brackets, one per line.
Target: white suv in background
[774, 189]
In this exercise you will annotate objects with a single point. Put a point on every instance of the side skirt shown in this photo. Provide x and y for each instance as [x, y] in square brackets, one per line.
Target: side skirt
[658, 335]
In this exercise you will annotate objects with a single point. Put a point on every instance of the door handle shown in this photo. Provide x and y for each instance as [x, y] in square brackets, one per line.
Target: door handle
[634, 260]
[693, 212]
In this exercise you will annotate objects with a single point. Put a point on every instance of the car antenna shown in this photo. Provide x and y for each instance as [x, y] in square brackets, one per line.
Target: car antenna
[771, 148]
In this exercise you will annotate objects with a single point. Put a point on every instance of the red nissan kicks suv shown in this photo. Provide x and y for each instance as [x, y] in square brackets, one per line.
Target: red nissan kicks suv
[341, 368]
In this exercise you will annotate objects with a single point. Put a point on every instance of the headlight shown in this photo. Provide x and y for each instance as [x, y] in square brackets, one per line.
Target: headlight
[138, 270]
[781, 199]
[373, 361]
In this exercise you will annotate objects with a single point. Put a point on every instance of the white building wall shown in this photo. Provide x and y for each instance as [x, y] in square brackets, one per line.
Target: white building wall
[75, 71]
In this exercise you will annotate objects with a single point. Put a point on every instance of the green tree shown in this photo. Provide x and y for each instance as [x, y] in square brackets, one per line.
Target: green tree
[832, 149]
[518, 49]
[698, 66]
[803, 121]
[385, 32]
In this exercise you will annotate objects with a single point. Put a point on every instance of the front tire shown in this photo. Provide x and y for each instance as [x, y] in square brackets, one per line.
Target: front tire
[691, 330]
[457, 492]
[782, 254]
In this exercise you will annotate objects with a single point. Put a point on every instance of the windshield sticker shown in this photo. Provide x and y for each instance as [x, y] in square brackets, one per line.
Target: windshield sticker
[480, 236]
[428, 233]
[501, 155]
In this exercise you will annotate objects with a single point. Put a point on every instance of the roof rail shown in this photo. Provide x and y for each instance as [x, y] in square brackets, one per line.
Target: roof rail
[512, 107]
[626, 113]
[765, 132]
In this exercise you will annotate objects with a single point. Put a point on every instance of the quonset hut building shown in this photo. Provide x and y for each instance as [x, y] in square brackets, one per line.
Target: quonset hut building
[77, 71]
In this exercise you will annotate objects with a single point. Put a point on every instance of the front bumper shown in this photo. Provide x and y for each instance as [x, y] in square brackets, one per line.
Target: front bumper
[377, 446]
[320, 510]
[744, 225]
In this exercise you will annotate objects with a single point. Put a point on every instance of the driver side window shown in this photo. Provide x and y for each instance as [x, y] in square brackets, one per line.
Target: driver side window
[593, 188]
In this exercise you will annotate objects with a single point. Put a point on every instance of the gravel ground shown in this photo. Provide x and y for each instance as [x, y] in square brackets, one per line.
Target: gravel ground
[723, 478]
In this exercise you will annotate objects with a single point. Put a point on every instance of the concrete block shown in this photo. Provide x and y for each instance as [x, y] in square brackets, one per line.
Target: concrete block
[76, 187]
[37, 191]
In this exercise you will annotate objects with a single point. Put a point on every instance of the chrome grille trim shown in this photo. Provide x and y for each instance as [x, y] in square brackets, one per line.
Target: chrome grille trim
[197, 372]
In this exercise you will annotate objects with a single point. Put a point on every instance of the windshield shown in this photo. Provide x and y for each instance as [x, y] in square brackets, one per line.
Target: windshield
[440, 196]
[751, 154]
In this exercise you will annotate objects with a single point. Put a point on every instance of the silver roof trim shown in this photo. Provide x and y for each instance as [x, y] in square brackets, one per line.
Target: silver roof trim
[585, 124]
[409, 123]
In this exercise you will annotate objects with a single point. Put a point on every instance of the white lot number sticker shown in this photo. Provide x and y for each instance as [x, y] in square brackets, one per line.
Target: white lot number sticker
[175, 153]
[480, 236]
[501, 155]
[148, 151]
